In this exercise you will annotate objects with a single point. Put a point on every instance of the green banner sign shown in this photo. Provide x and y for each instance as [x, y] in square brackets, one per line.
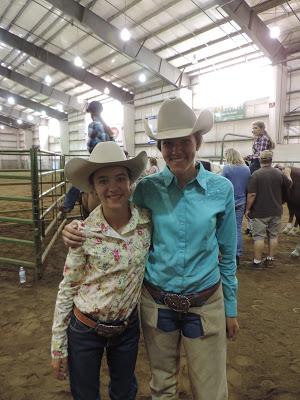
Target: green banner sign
[229, 113]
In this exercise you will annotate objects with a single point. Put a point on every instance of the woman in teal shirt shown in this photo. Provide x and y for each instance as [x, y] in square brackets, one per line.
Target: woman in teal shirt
[189, 293]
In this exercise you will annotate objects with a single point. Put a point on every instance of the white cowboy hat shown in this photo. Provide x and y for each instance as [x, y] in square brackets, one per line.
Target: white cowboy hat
[176, 119]
[104, 154]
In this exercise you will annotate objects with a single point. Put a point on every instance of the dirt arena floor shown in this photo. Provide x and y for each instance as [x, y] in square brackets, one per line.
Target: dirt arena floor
[263, 364]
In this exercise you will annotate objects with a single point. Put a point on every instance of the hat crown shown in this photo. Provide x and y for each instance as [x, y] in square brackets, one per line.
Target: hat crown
[266, 154]
[107, 152]
[175, 114]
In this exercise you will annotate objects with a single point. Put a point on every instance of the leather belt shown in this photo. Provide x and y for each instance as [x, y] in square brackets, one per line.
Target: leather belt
[103, 328]
[180, 302]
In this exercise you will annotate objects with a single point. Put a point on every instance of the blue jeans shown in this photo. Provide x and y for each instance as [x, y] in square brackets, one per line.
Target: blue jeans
[254, 165]
[71, 197]
[86, 348]
[239, 214]
[189, 324]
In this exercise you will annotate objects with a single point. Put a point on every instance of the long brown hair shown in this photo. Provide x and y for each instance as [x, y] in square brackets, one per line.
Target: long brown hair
[262, 127]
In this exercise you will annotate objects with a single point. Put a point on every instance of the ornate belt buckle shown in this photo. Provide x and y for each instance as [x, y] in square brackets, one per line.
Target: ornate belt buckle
[109, 331]
[177, 302]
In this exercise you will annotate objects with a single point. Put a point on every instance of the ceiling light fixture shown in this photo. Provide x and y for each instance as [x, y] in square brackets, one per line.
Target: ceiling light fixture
[29, 118]
[0, 108]
[11, 100]
[19, 121]
[59, 107]
[125, 35]
[78, 62]
[43, 113]
[2, 127]
[275, 32]
[48, 79]
[142, 77]
[106, 90]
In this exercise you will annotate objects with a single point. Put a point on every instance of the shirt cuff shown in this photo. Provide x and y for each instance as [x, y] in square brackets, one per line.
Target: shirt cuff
[230, 308]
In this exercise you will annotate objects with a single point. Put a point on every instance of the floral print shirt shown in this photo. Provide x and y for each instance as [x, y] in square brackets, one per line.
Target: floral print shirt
[104, 276]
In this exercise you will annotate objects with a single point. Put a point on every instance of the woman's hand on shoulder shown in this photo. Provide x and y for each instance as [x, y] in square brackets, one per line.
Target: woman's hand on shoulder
[72, 237]
[232, 327]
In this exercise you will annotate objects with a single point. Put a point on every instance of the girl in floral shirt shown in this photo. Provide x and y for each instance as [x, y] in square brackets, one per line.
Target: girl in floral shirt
[96, 306]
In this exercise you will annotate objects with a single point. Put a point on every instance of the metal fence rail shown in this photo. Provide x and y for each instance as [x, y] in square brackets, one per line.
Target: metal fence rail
[42, 222]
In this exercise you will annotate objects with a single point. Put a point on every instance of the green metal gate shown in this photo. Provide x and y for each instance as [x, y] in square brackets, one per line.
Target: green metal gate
[42, 186]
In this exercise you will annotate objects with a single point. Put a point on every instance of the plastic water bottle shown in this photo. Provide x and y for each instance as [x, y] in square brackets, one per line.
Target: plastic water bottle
[22, 276]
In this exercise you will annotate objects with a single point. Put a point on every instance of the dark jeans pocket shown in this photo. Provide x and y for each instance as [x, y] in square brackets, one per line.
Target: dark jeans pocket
[167, 320]
[76, 326]
[192, 326]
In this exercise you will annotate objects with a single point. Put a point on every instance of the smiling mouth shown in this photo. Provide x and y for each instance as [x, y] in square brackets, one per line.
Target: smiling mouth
[114, 196]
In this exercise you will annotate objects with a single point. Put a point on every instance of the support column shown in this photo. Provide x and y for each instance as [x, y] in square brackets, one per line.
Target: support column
[64, 137]
[129, 128]
[277, 103]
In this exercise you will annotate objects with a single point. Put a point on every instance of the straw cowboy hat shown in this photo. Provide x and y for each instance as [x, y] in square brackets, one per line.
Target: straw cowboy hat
[176, 119]
[104, 154]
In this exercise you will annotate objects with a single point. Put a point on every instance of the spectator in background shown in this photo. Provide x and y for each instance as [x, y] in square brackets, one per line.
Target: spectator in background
[262, 141]
[266, 190]
[238, 173]
[98, 131]
[153, 166]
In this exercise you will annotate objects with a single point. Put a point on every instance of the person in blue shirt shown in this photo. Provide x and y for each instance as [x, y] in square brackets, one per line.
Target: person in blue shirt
[98, 131]
[189, 292]
[239, 174]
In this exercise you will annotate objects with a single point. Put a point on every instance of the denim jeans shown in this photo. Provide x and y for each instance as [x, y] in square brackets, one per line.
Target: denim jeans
[239, 214]
[86, 348]
[254, 165]
[71, 197]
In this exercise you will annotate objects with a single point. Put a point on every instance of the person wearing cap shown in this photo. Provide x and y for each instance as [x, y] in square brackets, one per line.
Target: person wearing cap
[96, 306]
[189, 293]
[98, 130]
[266, 191]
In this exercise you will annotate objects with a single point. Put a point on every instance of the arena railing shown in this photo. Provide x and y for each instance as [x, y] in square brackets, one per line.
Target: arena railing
[42, 185]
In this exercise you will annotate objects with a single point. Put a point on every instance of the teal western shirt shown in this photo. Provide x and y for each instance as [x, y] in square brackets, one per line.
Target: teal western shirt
[190, 226]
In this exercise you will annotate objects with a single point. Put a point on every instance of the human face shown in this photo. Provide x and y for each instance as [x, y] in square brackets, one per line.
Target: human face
[113, 187]
[256, 130]
[179, 154]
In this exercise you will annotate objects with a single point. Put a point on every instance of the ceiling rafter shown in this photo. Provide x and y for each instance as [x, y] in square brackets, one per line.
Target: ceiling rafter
[33, 105]
[111, 35]
[36, 39]
[251, 24]
[266, 5]
[12, 123]
[262, 7]
[17, 114]
[149, 36]
[63, 65]
[43, 89]
[90, 5]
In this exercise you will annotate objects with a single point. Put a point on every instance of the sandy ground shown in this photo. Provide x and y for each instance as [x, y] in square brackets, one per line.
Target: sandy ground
[263, 364]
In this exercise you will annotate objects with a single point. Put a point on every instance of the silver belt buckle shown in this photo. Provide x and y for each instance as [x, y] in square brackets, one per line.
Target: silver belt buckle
[109, 331]
[177, 302]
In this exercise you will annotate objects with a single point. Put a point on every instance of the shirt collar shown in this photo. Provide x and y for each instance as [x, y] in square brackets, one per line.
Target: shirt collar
[98, 223]
[201, 177]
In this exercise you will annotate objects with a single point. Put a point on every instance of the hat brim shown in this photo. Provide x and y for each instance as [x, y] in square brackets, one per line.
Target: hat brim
[203, 124]
[78, 170]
